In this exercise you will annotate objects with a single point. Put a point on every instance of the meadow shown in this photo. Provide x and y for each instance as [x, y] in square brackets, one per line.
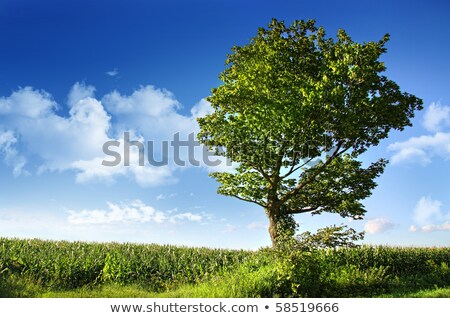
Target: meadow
[38, 268]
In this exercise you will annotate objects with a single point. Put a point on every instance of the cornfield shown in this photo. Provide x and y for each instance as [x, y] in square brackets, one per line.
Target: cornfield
[73, 264]
[400, 261]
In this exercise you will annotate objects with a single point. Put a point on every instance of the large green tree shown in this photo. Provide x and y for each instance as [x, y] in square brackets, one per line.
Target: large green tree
[295, 110]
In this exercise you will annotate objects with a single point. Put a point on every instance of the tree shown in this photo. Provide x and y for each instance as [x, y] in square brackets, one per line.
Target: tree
[295, 110]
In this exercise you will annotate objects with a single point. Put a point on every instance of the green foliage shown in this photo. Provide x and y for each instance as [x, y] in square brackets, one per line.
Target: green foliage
[303, 273]
[285, 227]
[359, 272]
[329, 237]
[295, 109]
[298, 274]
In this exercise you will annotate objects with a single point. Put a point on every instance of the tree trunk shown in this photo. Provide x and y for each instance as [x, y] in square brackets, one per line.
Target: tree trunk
[273, 213]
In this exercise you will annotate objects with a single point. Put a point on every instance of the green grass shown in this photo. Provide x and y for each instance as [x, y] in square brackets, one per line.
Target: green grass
[201, 291]
[103, 291]
[426, 293]
[35, 268]
[206, 290]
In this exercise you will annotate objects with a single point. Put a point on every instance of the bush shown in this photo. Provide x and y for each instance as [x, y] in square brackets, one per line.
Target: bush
[298, 274]
[328, 237]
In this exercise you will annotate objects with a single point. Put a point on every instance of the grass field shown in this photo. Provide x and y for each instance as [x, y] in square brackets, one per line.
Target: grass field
[36, 268]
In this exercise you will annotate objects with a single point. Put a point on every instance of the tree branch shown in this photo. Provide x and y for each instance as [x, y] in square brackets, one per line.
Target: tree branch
[293, 168]
[276, 172]
[330, 159]
[305, 210]
[263, 173]
[248, 200]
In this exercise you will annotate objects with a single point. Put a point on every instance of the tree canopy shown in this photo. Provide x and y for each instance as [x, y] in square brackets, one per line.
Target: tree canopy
[295, 110]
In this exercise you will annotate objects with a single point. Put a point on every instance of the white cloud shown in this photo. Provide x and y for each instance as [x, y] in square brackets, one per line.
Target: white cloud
[113, 73]
[11, 157]
[433, 227]
[93, 170]
[10, 153]
[146, 176]
[436, 117]
[408, 154]
[78, 92]
[45, 139]
[147, 101]
[378, 225]
[133, 212]
[153, 113]
[429, 217]
[27, 102]
[423, 149]
[55, 140]
[427, 210]
[187, 216]
[201, 109]
[164, 196]
[7, 139]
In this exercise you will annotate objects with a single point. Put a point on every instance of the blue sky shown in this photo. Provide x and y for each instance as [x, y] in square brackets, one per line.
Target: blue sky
[74, 74]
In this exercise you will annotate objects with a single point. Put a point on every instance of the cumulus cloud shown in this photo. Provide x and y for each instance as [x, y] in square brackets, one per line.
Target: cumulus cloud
[27, 103]
[11, 156]
[379, 225]
[201, 109]
[96, 170]
[55, 140]
[147, 101]
[429, 217]
[437, 117]
[132, 212]
[78, 92]
[426, 210]
[153, 113]
[38, 133]
[423, 149]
